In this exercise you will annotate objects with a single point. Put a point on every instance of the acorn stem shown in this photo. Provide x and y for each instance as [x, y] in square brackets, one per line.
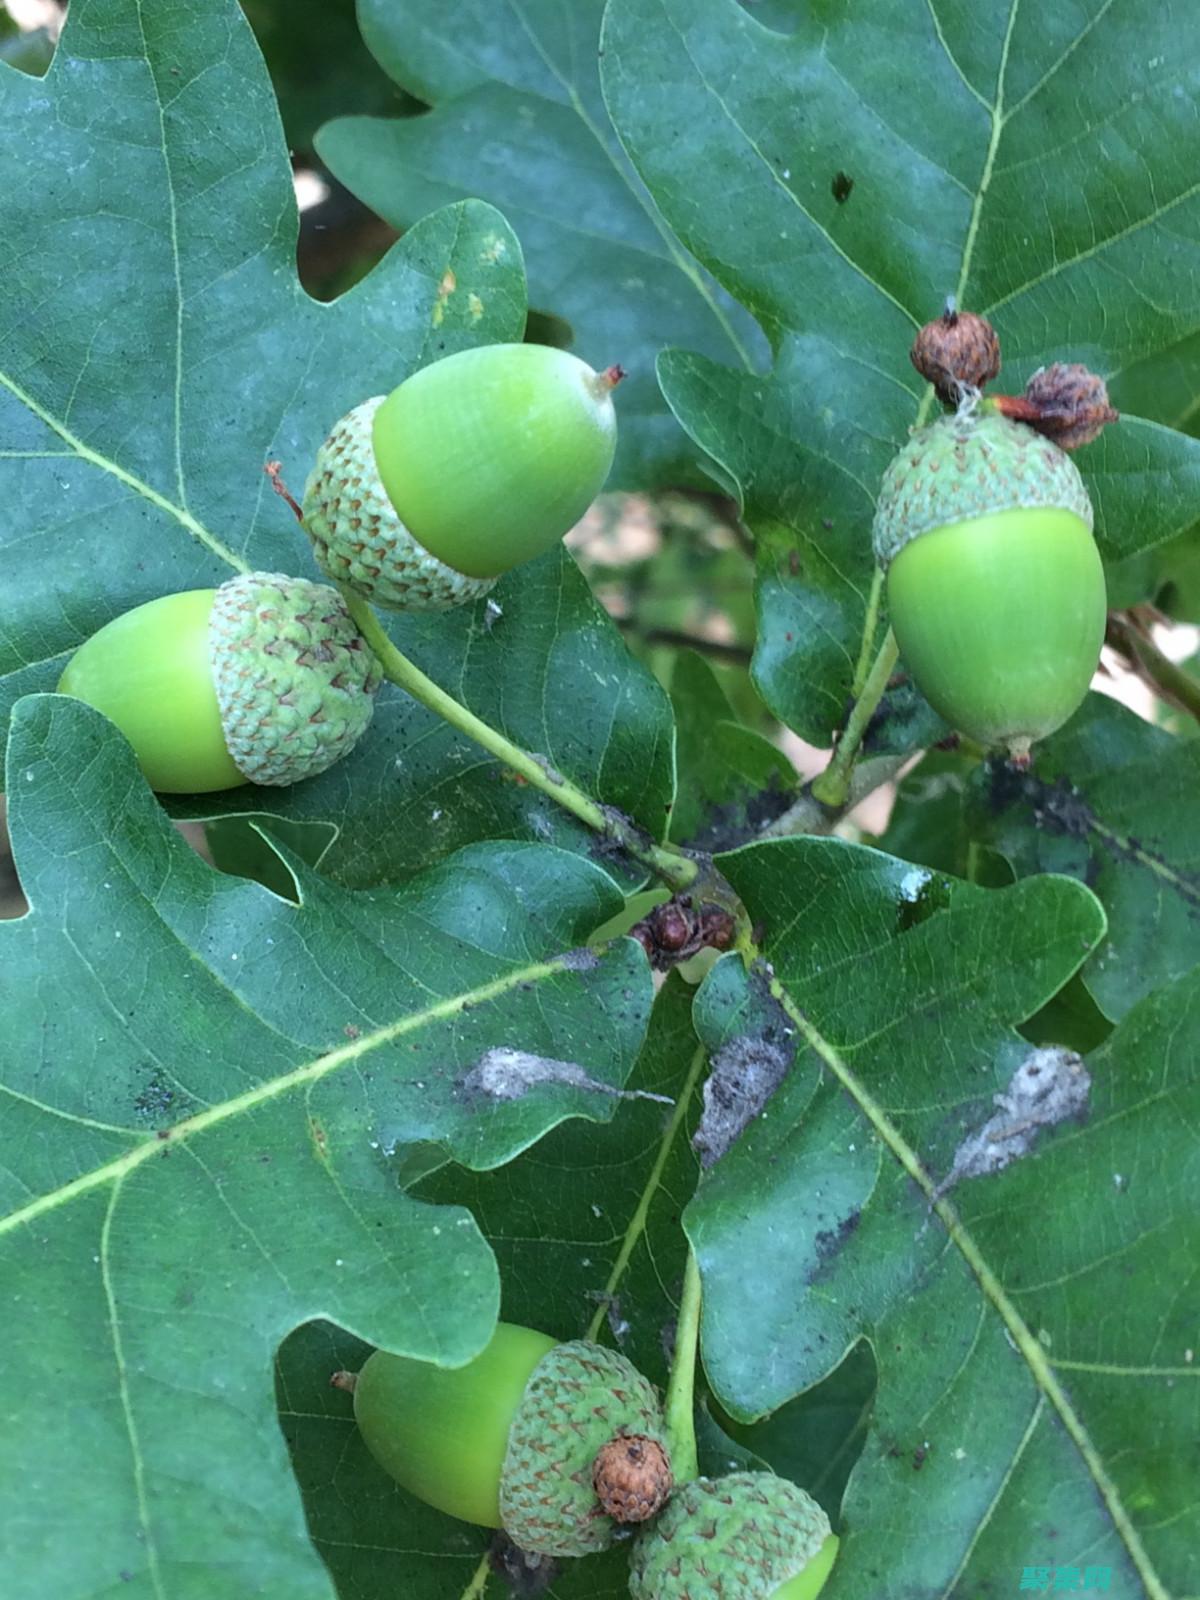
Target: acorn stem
[479, 1581]
[832, 786]
[274, 472]
[680, 1408]
[605, 382]
[675, 869]
[870, 629]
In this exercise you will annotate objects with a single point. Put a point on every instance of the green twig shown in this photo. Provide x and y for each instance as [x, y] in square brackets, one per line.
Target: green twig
[870, 629]
[479, 1580]
[672, 866]
[1162, 674]
[832, 786]
[638, 1222]
[681, 1389]
[736, 653]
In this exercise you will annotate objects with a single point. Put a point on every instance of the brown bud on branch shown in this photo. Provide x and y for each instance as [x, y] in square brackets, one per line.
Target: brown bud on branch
[1066, 402]
[956, 352]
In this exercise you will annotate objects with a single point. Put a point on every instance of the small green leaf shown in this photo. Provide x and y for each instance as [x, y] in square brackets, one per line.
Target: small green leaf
[1109, 800]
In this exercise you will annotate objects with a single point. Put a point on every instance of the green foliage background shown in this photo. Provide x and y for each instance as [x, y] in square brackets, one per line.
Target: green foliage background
[235, 1147]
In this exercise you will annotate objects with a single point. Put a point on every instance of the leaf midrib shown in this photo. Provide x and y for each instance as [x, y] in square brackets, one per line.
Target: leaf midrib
[138, 485]
[300, 1077]
[1023, 1339]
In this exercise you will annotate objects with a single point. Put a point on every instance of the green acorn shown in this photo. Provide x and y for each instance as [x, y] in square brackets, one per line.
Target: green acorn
[264, 680]
[555, 1443]
[994, 582]
[475, 464]
[752, 1535]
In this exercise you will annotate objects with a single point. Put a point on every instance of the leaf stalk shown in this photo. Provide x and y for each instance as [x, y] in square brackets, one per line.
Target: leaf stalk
[681, 1387]
[832, 787]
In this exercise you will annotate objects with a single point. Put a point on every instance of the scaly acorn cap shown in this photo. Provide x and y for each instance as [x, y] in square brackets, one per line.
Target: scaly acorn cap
[294, 678]
[580, 1397]
[969, 465]
[357, 537]
[744, 1535]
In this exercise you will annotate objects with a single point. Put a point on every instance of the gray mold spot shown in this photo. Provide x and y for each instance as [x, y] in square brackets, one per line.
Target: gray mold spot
[504, 1074]
[745, 1074]
[1050, 1086]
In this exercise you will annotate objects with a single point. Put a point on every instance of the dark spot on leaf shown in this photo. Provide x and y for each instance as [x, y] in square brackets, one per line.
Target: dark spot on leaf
[525, 1573]
[841, 186]
[828, 1242]
[156, 1099]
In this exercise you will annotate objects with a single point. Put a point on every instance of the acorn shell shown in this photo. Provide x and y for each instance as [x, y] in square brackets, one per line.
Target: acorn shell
[490, 455]
[747, 1535]
[967, 466]
[357, 537]
[295, 680]
[442, 1432]
[995, 586]
[1000, 621]
[264, 680]
[580, 1396]
[148, 670]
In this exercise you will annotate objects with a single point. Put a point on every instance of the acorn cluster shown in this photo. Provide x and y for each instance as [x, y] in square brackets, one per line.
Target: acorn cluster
[564, 1448]
[419, 500]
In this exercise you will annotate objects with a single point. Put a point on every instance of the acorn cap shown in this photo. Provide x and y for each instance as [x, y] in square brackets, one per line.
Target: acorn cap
[294, 678]
[580, 1397]
[969, 465]
[357, 537]
[744, 1535]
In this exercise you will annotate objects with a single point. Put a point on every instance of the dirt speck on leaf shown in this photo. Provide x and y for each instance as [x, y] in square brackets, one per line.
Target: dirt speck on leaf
[737, 822]
[157, 1099]
[581, 960]
[829, 1241]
